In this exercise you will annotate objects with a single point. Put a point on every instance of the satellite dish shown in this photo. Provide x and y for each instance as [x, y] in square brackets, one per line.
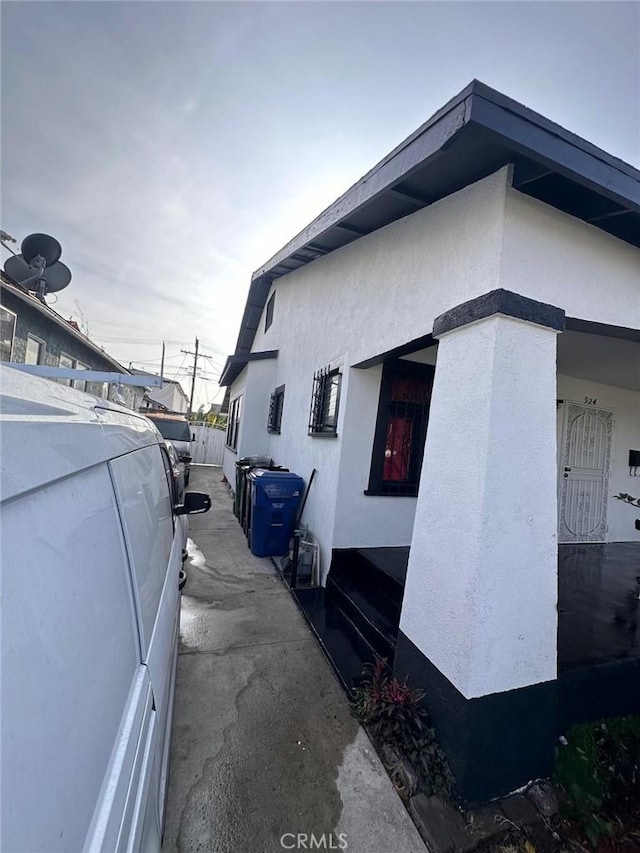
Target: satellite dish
[42, 245]
[55, 277]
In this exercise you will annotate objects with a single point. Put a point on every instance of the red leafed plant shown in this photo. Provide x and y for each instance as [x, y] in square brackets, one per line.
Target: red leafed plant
[394, 715]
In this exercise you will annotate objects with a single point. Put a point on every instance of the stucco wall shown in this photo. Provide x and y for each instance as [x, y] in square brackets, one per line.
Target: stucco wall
[625, 406]
[386, 289]
[357, 302]
[230, 456]
[481, 590]
[254, 438]
[553, 257]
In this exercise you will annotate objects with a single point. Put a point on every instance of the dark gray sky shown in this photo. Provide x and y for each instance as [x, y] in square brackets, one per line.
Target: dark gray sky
[172, 147]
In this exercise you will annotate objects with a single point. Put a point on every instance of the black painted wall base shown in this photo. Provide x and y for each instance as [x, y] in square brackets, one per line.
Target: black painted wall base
[494, 743]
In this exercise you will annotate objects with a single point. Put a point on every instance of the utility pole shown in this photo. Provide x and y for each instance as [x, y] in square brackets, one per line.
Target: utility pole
[196, 355]
[162, 362]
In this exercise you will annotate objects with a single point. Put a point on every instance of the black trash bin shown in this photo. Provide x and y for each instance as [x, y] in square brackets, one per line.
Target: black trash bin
[243, 466]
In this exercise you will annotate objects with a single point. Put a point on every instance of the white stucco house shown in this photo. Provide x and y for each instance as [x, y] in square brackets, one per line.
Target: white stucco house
[454, 346]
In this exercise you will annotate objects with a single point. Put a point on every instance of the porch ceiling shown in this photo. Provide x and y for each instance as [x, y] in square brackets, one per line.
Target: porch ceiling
[611, 361]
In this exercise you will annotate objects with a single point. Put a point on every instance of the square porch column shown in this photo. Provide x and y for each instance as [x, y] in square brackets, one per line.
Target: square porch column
[478, 629]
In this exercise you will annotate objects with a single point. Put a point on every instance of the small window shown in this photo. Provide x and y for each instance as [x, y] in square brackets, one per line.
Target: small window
[275, 410]
[68, 362]
[80, 384]
[268, 317]
[35, 350]
[172, 481]
[324, 402]
[233, 424]
[7, 333]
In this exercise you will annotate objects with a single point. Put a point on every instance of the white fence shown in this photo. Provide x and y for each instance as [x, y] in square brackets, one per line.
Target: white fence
[208, 446]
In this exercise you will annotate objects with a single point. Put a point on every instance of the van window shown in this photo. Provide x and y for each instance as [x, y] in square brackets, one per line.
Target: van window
[69, 655]
[173, 430]
[168, 470]
[146, 512]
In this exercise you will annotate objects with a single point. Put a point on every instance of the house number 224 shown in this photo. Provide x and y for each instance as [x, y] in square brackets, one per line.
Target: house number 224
[591, 401]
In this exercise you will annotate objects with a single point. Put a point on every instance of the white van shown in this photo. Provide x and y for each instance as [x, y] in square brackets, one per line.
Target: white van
[91, 550]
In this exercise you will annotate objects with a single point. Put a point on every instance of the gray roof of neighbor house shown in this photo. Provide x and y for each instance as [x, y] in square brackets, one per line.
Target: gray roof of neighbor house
[474, 134]
[53, 316]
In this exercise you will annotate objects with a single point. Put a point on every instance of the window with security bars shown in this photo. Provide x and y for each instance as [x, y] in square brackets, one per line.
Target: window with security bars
[275, 410]
[401, 428]
[325, 400]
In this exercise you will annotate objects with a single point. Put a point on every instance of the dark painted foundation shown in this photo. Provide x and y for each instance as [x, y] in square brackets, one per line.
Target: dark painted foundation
[499, 742]
[494, 743]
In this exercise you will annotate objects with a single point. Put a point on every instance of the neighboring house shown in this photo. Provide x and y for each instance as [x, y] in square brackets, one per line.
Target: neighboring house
[170, 397]
[33, 333]
[454, 346]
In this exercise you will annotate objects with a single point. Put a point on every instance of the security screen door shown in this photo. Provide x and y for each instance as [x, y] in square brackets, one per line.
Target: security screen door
[584, 473]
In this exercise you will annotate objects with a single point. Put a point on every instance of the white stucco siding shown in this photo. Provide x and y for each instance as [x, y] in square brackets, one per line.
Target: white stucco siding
[254, 438]
[387, 288]
[375, 294]
[481, 590]
[556, 258]
[625, 406]
[230, 456]
[295, 449]
[366, 520]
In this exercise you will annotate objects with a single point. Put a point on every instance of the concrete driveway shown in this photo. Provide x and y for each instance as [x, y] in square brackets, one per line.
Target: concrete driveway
[265, 753]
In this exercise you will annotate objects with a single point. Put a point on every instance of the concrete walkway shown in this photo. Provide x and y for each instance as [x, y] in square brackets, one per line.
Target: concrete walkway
[264, 747]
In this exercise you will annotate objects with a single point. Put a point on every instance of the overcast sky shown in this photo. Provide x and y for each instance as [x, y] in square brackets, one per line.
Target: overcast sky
[172, 147]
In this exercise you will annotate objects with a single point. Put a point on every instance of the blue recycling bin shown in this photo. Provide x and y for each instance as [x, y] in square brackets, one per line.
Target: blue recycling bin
[275, 498]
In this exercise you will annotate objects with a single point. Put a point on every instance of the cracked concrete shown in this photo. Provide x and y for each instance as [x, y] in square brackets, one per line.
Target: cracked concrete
[263, 741]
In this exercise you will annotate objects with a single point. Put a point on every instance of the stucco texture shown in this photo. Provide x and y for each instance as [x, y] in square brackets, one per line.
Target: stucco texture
[481, 590]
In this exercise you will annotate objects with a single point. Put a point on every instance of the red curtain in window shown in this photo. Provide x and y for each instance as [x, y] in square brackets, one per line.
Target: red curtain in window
[397, 449]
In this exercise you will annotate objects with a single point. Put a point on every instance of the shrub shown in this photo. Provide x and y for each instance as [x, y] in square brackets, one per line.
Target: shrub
[599, 770]
[394, 715]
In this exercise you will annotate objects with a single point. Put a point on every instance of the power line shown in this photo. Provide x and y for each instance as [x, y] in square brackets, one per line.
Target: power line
[196, 355]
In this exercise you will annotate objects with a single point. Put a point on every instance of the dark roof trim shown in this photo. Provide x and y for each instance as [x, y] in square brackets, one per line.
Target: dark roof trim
[423, 342]
[235, 364]
[475, 134]
[424, 143]
[499, 301]
[531, 133]
[589, 327]
[521, 127]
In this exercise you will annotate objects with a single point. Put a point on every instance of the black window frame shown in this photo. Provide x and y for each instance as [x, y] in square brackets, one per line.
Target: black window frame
[276, 404]
[321, 421]
[391, 371]
[268, 314]
[233, 423]
[171, 483]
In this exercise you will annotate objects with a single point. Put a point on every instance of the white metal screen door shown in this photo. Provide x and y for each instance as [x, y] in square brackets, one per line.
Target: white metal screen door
[584, 474]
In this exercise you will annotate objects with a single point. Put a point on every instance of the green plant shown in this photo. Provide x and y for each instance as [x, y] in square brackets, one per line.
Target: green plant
[599, 769]
[394, 715]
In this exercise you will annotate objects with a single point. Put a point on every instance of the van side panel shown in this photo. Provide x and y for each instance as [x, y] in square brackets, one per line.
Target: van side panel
[145, 508]
[156, 561]
[67, 618]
